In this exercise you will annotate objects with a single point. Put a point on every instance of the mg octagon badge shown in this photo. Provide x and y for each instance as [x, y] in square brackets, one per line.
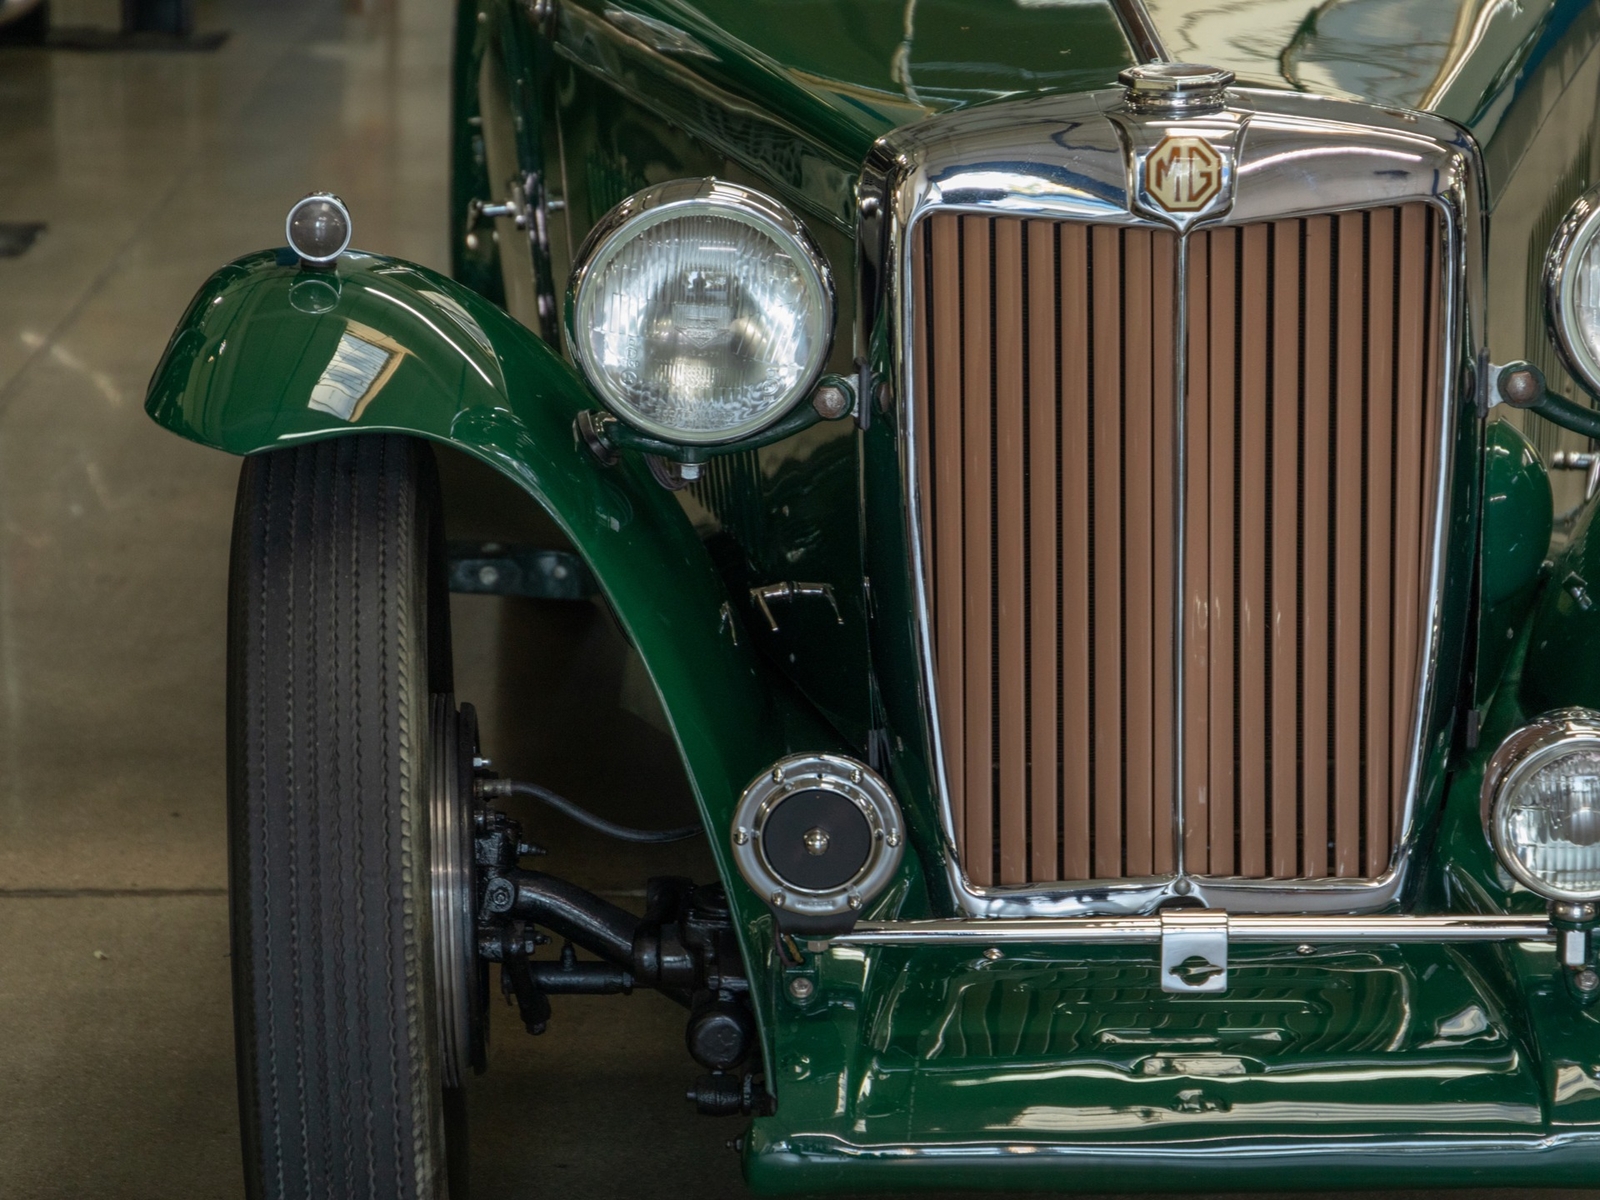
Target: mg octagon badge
[1183, 173]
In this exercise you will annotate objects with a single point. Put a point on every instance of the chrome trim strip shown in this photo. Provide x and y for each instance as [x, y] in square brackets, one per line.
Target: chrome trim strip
[1141, 30]
[1180, 524]
[1063, 158]
[1253, 928]
[1257, 1151]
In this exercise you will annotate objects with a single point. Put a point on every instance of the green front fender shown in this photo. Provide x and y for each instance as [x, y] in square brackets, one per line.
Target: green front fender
[269, 355]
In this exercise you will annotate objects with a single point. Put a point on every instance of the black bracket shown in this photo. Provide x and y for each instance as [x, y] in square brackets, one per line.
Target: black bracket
[517, 944]
[496, 569]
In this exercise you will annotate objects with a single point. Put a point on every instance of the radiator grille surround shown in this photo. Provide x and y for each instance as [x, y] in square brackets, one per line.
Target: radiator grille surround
[1061, 473]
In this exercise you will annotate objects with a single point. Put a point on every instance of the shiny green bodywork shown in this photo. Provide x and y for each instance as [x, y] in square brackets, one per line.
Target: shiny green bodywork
[1364, 1066]
[242, 375]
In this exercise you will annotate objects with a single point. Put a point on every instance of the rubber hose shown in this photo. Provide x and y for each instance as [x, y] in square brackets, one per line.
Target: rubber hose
[623, 833]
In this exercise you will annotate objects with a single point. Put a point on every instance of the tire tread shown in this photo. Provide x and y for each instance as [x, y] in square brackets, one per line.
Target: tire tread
[328, 700]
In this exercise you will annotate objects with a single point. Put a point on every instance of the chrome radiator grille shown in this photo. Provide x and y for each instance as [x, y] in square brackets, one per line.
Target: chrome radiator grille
[1048, 455]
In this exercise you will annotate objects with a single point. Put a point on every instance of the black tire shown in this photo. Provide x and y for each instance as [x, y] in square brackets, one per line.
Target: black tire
[338, 640]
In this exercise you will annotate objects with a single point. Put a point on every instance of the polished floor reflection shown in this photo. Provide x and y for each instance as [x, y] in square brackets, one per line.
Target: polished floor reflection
[116, 1068]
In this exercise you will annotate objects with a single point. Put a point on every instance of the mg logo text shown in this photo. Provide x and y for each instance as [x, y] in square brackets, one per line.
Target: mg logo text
[1183, 173]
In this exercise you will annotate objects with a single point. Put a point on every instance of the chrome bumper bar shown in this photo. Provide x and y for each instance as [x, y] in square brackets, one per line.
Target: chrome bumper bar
[1194, 941]
[1250, 927]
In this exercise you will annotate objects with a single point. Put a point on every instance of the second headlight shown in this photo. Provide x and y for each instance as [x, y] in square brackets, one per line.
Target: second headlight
[1541, 805]
[700, 311]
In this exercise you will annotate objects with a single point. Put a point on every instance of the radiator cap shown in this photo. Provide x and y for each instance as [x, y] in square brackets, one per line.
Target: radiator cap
[1175, 87]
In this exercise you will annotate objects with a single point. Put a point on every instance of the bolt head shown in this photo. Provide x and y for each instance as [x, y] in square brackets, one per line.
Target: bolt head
[1586, 980]
[893, 839]
[993, 954]
[777, 899]
[831, 402]
[816, 841]
[500, 895]
[801, 987]
[1305, 948]
[1521, 387]
[741, 836]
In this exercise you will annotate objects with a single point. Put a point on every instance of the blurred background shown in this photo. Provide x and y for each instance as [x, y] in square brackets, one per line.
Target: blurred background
[150, 160]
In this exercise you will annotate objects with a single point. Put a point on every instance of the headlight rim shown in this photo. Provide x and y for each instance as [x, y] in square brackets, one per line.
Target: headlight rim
[661, 202]
[1524, 751]
[1577, 229]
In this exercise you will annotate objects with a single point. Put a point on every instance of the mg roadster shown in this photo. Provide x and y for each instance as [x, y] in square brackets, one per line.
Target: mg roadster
[1102, 492]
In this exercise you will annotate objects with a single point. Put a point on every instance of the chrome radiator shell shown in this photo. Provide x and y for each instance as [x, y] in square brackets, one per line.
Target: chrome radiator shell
[1081, 159]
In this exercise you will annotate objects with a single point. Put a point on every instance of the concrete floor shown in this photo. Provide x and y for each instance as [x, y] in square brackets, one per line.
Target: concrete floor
[116, 1068]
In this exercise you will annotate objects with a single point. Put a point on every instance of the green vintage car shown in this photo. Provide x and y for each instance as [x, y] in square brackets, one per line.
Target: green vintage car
[1102, 491]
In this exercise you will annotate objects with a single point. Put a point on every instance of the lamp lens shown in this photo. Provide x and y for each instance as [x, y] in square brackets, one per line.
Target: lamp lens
[319, 228]
[1550, 822]
[703, 324]
[1584, 308]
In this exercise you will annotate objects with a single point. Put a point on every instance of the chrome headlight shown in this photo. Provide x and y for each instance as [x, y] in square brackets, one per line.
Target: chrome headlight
[1572, 288]
[700, 311]
[1541, 804]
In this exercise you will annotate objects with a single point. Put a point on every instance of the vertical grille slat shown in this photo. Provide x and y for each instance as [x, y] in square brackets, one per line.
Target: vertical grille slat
[1222, 553]
[1046, 431]
[1106, 549]
[1349, 489]
[1164, 327]
[1253, 554]
[1073, 564]
[977, 421]
[1010, 526]
[1283, 571]
[1316, 544]
[1195, 683]
[1138, 540]
[1380, 783]
[1044, 555]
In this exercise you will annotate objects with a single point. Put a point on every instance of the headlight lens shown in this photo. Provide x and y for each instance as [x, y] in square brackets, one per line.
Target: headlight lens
[1572, 284]
[700, 311]
[1542, 794]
